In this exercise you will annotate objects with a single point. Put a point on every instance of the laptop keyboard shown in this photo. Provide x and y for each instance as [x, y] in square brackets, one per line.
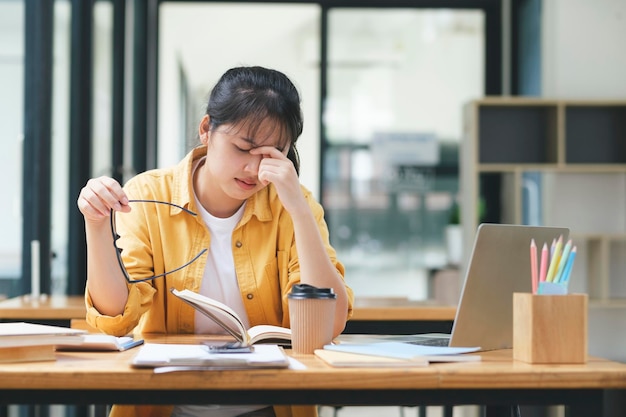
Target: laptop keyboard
[431, 342]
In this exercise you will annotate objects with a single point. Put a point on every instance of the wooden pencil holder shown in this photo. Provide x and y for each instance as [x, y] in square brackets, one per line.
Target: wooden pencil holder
[550, 328]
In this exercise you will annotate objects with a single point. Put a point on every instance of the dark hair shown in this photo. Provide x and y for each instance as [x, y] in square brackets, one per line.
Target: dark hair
[246, 96]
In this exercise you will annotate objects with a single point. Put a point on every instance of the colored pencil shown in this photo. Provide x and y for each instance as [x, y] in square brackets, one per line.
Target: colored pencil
[564, 258]
[554, 261]
[533, 265]
[543, 266]
[568, 267]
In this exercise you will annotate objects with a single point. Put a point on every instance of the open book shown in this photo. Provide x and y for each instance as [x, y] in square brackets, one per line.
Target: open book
[228, 319]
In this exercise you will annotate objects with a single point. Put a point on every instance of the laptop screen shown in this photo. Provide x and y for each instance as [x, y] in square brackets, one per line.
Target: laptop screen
[499, 265]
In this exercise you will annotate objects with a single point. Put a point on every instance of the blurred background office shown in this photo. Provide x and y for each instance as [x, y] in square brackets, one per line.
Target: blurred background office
[115, 87]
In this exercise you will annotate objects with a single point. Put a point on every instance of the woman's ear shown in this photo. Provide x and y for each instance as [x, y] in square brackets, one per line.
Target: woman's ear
[203, 129]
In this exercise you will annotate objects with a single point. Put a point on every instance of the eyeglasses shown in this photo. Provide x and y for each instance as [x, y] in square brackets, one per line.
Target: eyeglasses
[118, 251]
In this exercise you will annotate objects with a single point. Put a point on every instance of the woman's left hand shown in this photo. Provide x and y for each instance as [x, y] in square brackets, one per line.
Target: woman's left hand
[277, 169]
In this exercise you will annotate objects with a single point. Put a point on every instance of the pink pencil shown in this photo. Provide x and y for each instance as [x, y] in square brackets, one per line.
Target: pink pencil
[533, 265]
[543, 266]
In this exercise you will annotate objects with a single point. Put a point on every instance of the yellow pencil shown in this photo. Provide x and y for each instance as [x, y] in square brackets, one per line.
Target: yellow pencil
[554, 262]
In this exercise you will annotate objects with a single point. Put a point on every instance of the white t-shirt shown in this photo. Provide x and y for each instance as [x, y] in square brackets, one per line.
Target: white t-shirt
[219, 280]
[220, 283]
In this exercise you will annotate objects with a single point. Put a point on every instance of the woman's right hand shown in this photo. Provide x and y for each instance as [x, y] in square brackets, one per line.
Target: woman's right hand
[99, 196]
[105, 282]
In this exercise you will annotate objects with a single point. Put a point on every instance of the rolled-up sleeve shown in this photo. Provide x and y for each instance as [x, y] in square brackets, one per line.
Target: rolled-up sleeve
[140, 297]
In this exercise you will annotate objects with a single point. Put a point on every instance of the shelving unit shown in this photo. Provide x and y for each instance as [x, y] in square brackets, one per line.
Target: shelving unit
[558, 163]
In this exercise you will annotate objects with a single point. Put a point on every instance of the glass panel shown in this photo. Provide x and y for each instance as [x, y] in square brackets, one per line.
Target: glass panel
[60, 145]
[397, 81]
[199, 42]
[102, 88]
[11, 120]
[101, 123]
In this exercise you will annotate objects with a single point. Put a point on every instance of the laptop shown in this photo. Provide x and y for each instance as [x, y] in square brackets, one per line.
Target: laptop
[499, 265]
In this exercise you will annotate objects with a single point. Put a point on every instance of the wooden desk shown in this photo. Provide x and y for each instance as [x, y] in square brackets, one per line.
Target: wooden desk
[371, 315]
[50, 308]
[400, 309]
[106, 378]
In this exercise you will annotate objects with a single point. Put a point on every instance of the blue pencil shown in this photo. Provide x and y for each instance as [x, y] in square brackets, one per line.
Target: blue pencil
[568, 266]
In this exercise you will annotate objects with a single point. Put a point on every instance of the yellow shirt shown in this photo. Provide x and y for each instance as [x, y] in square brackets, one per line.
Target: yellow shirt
[157, 238]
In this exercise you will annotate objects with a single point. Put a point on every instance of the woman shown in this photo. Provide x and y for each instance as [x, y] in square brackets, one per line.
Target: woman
[264, 231]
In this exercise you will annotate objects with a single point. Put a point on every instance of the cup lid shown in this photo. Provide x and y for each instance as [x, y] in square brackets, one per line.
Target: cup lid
[309, 291]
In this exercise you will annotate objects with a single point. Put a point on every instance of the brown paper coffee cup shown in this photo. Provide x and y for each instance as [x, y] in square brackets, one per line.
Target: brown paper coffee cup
[312, 317]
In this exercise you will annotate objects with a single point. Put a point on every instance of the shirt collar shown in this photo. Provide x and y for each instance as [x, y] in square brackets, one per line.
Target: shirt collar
[182, 186]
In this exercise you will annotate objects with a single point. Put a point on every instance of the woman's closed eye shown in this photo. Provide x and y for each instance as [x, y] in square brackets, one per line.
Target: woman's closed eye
[243, 150]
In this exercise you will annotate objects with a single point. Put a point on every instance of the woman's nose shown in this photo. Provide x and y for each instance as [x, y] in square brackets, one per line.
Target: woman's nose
[253, 162]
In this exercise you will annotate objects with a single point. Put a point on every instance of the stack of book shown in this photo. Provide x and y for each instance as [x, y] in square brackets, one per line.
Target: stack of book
[30, 342]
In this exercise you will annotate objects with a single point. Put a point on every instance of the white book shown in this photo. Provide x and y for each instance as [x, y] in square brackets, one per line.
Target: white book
[357, 360]
[20, 334]
[103, 342]
[186, 356]
[228, 319]
[408, 351]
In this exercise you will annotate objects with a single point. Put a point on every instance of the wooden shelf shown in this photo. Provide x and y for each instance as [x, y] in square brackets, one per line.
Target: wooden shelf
[562, 162]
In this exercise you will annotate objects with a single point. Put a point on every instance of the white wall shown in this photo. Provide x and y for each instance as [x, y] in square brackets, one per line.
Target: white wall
[583, 52]
[583, 57]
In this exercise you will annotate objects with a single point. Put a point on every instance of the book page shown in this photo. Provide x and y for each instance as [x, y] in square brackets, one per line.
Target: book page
[230, 321]
[268, 333]
[216, 311]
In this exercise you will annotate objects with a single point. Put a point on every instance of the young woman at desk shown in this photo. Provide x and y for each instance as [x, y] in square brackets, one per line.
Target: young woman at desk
[263, 230]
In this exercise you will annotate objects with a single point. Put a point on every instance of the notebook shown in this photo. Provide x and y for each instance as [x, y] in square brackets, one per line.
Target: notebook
[499, 265]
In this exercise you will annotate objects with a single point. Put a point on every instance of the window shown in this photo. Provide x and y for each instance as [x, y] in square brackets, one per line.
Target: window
[397, 82]
[11, 119]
